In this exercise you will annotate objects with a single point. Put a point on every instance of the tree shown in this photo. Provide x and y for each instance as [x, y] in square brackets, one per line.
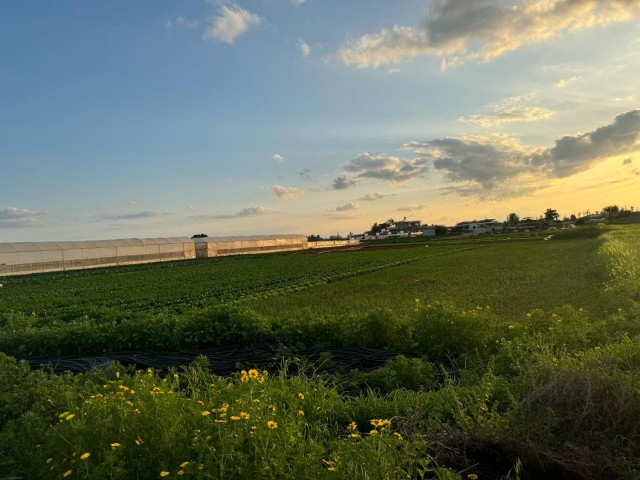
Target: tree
[611, 210]
[513, 219]
[551, 215]
[200, 235]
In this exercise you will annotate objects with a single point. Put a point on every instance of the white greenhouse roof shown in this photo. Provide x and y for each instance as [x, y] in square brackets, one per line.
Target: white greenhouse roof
[248, 238]
[14, 247]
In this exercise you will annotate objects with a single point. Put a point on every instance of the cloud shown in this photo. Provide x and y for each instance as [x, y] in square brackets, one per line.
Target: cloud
[411, 208]
[278, 158]
[304, 48]
[134, 216]
[184, 23]
[231, 22]
[287, 193]
[305, 174]
[381, 167]
[191, 208]
[245, 212]
[459, 30]
[372, 196]
[510, 110]
[503, 163]
[342, 183]
[12, 217]
[297, 3]
[574, 153]
[565, 82]
[627, 161]
[347, 207]
[507, 190]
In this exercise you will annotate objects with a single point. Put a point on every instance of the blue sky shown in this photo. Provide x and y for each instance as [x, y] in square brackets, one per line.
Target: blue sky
[159, 118]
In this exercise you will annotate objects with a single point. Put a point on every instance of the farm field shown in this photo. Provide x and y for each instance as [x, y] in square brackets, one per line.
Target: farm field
[516, 360]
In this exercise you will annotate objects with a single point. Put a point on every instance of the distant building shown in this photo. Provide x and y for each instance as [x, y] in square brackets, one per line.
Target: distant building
[429, 232]
[478, 227]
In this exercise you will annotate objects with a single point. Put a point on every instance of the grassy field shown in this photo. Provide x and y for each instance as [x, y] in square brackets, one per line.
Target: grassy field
[518, 360]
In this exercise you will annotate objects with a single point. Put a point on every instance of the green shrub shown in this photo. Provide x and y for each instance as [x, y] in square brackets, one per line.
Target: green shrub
[441, 331]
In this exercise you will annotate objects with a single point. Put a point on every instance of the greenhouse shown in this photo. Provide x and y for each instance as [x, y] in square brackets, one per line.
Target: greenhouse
[33, 257]
[218, 246]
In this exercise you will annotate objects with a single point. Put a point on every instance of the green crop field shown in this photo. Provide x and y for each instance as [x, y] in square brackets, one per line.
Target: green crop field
[517, 358]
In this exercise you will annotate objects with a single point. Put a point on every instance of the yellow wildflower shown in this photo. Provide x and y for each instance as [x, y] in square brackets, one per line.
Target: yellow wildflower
[355, 435]
[301, 413]
[272, 425]
[380, 423]
[49, 460]
[115, 445]
[234, 418]
[398, 435]
[472, 476]
[67, 473]
[180, 472]
[164, 473]
[204, 413]
[245, 415]
[301, 396]
[352, 426]
[184, 464]
[85, 455]
[139, 441]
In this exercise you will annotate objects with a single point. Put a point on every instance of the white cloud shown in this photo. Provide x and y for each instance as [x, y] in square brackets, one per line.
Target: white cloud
[134, 216]
[510, 110]
[245, 212]
[565, 82]
[287, 193]
[304, 47]
[231, 22]
[372, 196]
[278, 158]
[12, 217]
[297, 3]
[187, 23]
[459, 30]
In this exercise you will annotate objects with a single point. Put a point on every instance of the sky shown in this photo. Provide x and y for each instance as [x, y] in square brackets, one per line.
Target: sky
[161, 118]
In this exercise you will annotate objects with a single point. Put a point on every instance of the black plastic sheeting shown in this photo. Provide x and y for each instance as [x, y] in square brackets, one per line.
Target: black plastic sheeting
[225, 360]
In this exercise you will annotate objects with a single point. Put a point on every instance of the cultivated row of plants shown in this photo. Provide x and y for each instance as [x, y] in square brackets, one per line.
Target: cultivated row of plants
[184, 286]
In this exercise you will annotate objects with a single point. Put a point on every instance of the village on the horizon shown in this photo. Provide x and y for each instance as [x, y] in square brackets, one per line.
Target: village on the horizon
[549, 220]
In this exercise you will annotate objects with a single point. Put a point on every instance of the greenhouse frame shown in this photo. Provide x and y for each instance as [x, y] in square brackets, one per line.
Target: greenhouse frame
[241, 245]
[34, 257]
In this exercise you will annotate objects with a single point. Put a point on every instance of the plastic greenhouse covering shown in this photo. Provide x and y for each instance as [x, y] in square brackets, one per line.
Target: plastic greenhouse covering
[218, 246]
[32, 257]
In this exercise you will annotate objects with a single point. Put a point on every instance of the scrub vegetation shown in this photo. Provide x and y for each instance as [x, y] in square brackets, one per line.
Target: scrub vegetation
[515, 360]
